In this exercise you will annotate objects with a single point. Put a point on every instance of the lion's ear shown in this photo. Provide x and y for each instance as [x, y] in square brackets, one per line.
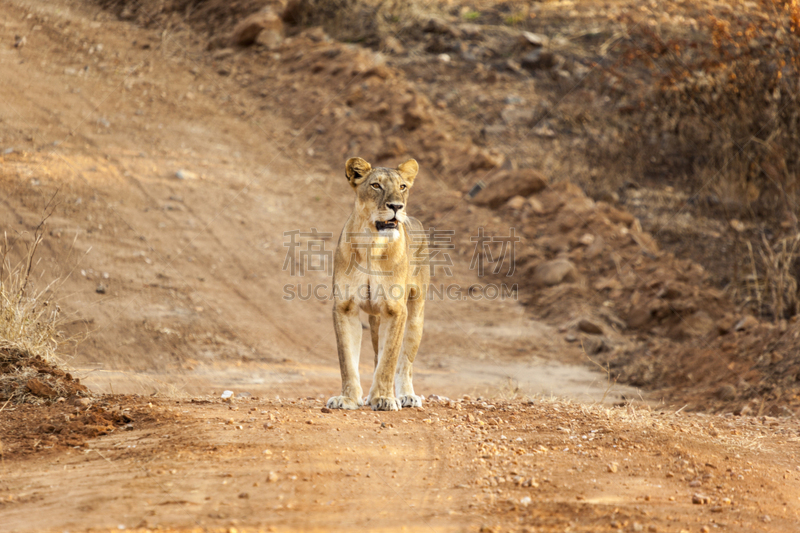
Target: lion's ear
[409, 170]
[356, 169]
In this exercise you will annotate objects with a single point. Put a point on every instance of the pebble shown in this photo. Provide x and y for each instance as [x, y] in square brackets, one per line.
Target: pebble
[227, 394]
[185, 175]
[272, 477]
[587, 326]
[612, 467]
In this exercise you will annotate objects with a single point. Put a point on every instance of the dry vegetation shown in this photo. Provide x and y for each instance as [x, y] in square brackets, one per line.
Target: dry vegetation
[31, 370]
[723, 110]
[707, 102]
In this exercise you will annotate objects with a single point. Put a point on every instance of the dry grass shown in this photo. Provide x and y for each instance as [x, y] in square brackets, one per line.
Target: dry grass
[765, 282]
[29, 321]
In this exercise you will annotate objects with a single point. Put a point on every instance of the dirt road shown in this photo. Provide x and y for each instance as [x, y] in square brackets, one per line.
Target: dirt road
[285, 465]
[175, 289]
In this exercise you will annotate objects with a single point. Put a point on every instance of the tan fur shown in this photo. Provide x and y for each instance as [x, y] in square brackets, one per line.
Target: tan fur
[392, 290]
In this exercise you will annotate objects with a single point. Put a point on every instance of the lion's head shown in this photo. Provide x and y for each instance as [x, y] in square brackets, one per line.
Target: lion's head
[381, 193]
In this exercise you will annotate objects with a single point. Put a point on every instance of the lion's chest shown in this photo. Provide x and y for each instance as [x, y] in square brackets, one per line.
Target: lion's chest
[372, 274]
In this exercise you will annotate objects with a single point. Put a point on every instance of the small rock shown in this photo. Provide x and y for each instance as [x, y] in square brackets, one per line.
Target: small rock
[594, 249]
[223, 53]
[535, 205]
[725, 324]
[525, 500]
[81, 402]
[539, 59]
[748, 322]
[441, 27]
[554, 272]
[326, 410]
[393, 45]
[587, 326]
[618, 216]
[226, 394]
[514, 116]
[610, 197]
[272, 477]
[41, 389]
[509, 183]
[534, 39]
[737, 225]
[612, 467]
[726, 392]
[699, 499]
[516, 203]
[247, 31]
[244, 495]
[594, 344]
[185, 175]
[101, 289]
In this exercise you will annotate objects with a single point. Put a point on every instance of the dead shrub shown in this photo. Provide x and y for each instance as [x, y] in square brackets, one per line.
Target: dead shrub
[765, 280]
[723, 110]
[30, 369]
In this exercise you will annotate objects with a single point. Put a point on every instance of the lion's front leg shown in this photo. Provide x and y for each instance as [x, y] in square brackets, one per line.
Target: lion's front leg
[392, 326]
[348, 343]
[413, 336]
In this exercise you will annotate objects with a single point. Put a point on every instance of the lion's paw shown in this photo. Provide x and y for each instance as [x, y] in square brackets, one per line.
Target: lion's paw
[343, 402]
[411, 400]
[384, 403]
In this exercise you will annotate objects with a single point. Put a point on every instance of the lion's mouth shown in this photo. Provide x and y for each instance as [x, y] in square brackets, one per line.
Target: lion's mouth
[388, 224]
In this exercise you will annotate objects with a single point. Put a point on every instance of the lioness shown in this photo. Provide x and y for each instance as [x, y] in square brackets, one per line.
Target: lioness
[380, 267]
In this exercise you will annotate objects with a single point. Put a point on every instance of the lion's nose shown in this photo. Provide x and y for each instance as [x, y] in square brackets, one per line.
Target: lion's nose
[395, 207]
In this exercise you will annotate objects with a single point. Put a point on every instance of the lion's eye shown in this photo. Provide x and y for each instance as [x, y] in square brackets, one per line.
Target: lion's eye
[376, 186]
[402, 187]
